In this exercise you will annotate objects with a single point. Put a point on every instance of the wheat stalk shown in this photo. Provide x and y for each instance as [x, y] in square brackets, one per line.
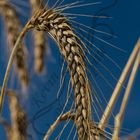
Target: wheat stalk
[39, 40]
[13, 26]
[58, 26]
[107, 113]
[119, 117]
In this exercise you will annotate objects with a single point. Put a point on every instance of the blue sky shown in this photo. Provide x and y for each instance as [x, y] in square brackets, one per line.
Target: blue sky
[43, 104]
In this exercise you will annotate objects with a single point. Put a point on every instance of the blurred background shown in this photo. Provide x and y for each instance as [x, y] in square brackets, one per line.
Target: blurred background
[40, 98]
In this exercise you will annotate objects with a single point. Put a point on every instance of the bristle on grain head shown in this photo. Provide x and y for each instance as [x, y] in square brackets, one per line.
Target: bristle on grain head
[59, 28]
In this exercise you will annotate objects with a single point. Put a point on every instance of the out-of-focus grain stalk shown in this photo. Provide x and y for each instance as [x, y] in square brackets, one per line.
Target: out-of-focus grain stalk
[13, 26]
[39, 41]
[119, 117]
[10, 62]
[7, 127]
[17, 130]
[107, 113]
[18, 119]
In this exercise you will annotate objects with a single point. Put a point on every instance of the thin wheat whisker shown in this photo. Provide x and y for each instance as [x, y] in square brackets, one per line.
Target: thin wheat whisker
[106, 55]
[62, 131]
[62, 71]
[100, 90]
[95, 109]
[109, 44]
[67, 122]
[77, 6]
[70, 131]
[67, 99]
[74, 136]
[105, 68]
[69, 93]
[86, 15]
[55, 4]
[102, 40]
[66, 102]
[66, 5]
[68, 115]
[102, 76]
[94, 36]
[95, 30]
[62, 83]
[101, 64]
[96, 103]
[95, 68]
[59, 5]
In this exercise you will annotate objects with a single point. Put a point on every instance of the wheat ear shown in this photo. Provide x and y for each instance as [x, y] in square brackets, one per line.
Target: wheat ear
[18, 127]
[70, 47]
[40, 41]
[13, 26]
[18, 118]
[58, 27]
[71, 50]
